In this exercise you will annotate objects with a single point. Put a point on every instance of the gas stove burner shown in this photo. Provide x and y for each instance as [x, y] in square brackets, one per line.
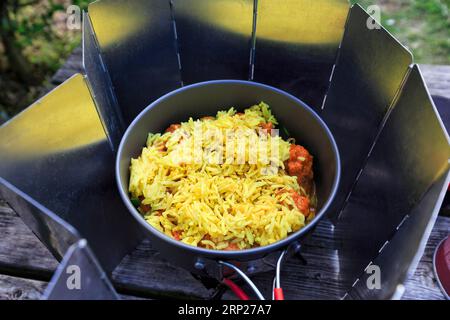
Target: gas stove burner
[58, 155]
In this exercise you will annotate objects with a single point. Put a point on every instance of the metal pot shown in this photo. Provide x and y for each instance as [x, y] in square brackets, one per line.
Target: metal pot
[206, 98]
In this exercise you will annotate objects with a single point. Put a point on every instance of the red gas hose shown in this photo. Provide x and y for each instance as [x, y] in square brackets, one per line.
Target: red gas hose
[278, 294]
[236, 289]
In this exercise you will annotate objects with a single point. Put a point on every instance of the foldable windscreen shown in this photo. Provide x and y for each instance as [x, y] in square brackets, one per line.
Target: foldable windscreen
[398, 189]
[137, 44]
[92, 283]
[101, 86]
[369, 72]
[57, 156]
[296, 45]
[57, 153]
[213, 38]
[151, 47]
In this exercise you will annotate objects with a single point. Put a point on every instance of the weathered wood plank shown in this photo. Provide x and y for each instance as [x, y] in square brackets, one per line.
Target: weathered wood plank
[20, 250]
[422, 285]
[13, 288]
[144, 273]
[141, 273]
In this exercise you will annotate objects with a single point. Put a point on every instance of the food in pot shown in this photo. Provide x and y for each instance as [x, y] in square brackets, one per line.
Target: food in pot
[227, 182]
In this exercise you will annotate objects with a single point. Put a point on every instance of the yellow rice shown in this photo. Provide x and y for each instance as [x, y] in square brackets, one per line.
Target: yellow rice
[215, 205]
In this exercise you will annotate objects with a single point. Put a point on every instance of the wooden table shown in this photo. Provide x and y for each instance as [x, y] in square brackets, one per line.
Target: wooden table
[26, 265]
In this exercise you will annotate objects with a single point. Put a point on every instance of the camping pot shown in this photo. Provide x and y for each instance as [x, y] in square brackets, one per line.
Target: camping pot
[205, 99]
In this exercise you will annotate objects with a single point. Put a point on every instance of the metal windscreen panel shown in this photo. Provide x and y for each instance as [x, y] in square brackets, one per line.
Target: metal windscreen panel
[411, 154]
[93, 284]
[401, 255]
[296, 45]
[213, 38]
[100, 85]
[57, 153]
[137, 45]
[55, 233]
[369, 71]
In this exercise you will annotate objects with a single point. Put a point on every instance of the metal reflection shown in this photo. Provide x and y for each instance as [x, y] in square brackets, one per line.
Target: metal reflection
[43, 128]
[138, 49]
[57, 153]
[213, 38]
[302, 22]
[409, 158]
[100, 83]
[296, 45]
[369, 72]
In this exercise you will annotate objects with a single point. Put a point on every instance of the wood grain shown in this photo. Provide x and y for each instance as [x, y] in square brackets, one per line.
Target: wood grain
[13, 288]
[422, 285]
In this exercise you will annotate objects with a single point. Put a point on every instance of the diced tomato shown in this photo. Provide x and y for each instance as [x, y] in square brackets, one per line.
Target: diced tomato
[240, 114]
[298, 153]
[173, 127]
[208, 118]
[300, 164]
[206, 237]
[176, 235]
[266, 126]
[294, 167]
[145, 208]
[232, 246]
[301, 202]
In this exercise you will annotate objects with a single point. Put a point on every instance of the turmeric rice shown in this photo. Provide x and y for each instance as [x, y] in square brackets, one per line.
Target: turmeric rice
[227, 182]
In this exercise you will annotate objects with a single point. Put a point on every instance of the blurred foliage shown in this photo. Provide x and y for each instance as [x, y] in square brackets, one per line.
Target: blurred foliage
[42, 33]
[34, 42]
[422, 25]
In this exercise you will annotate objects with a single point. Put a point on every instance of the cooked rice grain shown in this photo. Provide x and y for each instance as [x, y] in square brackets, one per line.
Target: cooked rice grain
[216, 206]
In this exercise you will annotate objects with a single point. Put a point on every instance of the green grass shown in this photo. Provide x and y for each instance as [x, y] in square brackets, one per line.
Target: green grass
[422, 25]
